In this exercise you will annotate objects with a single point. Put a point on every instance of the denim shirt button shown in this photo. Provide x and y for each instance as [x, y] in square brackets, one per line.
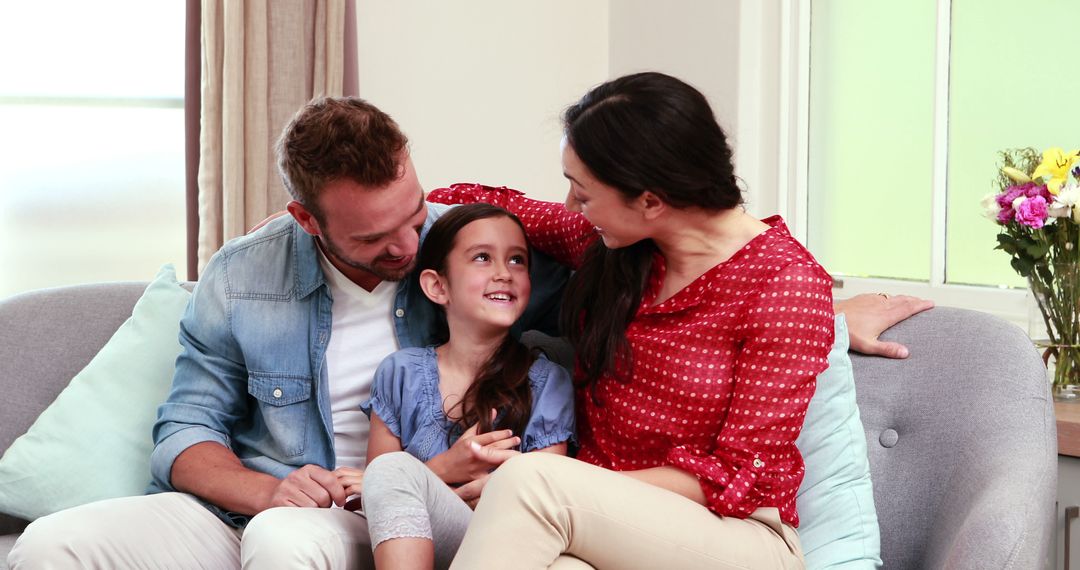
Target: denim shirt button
[399, 312]
[277, 392]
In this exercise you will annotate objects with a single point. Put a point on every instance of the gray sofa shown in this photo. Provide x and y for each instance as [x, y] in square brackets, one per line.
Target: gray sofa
[961, 435]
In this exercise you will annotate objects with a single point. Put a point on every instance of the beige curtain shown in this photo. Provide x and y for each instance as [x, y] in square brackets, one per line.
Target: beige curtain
[261, 61]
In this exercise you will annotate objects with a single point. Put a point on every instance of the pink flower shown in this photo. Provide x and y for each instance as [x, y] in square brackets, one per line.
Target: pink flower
[1032, 190]
[1006, 198]
[1032, 212]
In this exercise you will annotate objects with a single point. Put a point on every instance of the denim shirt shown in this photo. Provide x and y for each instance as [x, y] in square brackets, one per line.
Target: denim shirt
[251, 374]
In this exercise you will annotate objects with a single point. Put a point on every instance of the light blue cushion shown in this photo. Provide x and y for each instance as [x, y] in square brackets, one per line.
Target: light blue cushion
[838, 522]
[93, 442]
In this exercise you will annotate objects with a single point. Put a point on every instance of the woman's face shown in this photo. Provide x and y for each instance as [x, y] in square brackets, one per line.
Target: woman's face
[617, 220]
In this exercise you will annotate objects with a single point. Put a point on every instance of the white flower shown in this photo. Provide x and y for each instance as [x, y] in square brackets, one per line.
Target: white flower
[1019, 200]
[990, 206]
[1063, 205]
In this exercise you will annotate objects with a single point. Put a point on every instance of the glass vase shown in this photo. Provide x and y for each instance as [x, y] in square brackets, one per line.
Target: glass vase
[1056, 289]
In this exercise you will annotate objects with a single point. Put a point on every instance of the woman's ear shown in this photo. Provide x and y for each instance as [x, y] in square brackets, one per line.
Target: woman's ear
[434, 287]
[650, 205]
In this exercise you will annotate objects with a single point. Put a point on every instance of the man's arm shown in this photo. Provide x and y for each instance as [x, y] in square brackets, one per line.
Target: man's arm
[195, 424]
[214, 473]
[868, 315]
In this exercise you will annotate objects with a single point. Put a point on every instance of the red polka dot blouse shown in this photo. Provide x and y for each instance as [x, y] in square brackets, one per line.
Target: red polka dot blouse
[723, 371]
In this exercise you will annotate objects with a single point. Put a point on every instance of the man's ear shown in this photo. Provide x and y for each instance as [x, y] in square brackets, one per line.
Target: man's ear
[434, 287]
[305, 218]
[650, 205]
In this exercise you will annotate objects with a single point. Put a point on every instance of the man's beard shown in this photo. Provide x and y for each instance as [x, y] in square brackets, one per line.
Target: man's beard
[396, 274]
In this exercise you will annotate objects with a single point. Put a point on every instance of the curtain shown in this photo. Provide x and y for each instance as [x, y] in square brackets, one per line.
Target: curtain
[260, 62]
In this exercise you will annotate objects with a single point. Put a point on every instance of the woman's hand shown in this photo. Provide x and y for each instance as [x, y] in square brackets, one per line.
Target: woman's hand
[868, 315]
[473, 456]
[352, 479]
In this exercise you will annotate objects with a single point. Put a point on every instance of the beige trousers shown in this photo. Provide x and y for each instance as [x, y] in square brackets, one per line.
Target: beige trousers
[539, 509]
[172, 530]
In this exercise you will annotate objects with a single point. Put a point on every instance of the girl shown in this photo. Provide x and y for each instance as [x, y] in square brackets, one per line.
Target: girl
[432, 402]
[698, 332]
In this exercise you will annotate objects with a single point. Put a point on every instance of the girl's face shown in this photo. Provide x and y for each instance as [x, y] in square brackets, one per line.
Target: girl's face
[619, 222]
[487, 274]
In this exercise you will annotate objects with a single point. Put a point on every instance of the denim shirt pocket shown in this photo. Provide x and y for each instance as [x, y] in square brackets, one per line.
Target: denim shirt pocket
[283, 404]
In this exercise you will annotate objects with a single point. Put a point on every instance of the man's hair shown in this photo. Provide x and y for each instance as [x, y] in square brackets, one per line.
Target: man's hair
[332, 138]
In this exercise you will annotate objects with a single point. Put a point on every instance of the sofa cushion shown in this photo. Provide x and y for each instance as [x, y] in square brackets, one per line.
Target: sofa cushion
[838, 521]
[93, 442]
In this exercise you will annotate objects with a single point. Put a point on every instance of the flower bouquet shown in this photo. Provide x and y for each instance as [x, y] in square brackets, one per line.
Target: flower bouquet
[1036, 209]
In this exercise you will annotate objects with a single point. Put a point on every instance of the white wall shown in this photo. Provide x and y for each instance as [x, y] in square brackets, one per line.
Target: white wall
[479, 85]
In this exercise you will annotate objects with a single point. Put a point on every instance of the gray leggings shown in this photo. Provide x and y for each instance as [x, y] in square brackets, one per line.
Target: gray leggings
[403, 498]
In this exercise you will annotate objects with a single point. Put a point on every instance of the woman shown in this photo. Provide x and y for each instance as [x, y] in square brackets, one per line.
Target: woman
[698, 331]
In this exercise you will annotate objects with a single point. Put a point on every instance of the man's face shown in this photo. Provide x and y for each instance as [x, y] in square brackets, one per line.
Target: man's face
[372, 234]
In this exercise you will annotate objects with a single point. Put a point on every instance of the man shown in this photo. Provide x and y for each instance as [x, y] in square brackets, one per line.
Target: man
[280, 342]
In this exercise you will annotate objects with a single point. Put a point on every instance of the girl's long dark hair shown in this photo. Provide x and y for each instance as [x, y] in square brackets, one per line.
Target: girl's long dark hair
[642, 132]
[502, 384]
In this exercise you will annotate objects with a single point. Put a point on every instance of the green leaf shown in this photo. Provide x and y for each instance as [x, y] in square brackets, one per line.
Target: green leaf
[1022, 266]
[1037, 250]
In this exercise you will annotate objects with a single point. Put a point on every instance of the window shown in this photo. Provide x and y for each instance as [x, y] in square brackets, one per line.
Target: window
[92, 174]
[908, 106]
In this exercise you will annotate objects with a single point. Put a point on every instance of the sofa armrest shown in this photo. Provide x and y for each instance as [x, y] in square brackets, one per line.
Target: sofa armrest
[962, 443]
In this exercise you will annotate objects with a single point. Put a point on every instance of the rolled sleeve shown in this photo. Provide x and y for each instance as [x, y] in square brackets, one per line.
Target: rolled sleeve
[787, 338]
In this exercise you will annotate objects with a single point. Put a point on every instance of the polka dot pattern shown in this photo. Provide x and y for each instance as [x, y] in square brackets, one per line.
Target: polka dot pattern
[723, 371]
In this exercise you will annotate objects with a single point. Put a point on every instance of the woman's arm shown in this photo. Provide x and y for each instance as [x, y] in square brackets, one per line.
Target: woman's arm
[673, 479]
[787, 338]
[549, 227]
[869, 315]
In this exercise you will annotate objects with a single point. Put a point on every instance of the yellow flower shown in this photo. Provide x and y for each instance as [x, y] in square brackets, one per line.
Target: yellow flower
[1054, 168]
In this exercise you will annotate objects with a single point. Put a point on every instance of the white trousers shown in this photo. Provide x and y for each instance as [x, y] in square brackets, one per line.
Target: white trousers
[173, 530]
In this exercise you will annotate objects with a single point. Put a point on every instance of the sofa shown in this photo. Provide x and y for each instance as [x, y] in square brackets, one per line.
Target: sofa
[961, 435]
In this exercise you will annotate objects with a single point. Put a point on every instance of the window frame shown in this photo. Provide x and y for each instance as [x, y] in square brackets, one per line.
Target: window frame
[793, 197]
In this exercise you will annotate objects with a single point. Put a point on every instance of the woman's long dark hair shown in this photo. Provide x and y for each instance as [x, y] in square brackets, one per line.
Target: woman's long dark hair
[502, 384]
[642, 132]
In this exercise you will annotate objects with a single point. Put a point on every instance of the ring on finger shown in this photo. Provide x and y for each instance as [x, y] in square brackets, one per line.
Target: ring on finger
[886, 295]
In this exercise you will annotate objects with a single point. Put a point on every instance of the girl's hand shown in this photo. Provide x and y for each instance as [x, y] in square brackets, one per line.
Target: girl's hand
[352, 479]
[470, 492]
[473, 456]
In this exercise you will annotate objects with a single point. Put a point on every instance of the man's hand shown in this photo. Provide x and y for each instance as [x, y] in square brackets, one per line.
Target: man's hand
[868, 315]
[352, 479]
[473, 456]
[470, 492]
[308, 486]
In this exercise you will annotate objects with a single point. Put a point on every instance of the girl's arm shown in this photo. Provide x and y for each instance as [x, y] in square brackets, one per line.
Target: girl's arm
[470, 492]
[380, 439]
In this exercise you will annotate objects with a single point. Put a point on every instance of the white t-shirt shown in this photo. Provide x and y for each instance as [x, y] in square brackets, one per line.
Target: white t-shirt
[362, 335]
